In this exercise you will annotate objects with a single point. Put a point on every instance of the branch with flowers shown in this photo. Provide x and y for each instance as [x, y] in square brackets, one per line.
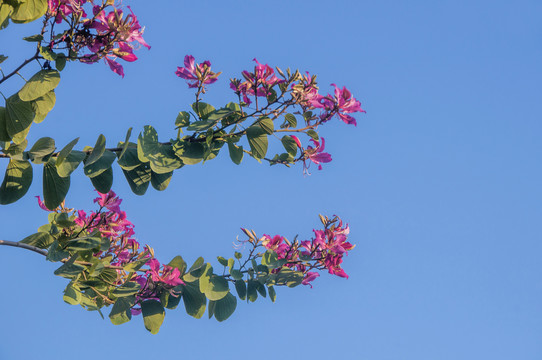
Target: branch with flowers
[108, 267]
[100, 256]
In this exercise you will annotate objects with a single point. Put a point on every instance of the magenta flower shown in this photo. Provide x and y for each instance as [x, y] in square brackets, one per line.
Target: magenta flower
[41, 204]
[121, 29]
[110, 201]
[114, 66]
[62, 8]
[196, 74]
[257, 83]
[317, 154]
[277, 244]
[341, 104]
[309, 276]
[168, 275]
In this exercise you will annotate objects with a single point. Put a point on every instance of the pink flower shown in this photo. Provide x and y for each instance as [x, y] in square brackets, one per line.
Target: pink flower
[42, 205]
[309, 276]
[168, 275]
[347, 104]
[258, 83]
[110, 201]
[296, 139]
[341, 104]
[276, 243]
[317, 154]
[114, 66]
[123, 29]
[199, 74]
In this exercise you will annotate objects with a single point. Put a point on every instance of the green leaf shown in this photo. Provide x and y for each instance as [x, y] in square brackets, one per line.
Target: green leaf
[161, 156]
[4, 136]
[60, 62]
[163, 159]
[5, 11]
[272, 293]
[127, 289]
[34, 38]
[130, 160]
[66, 150]
[56, 253]
[41, 240]
[260, 288]
[70, 163]
[201, 125]
[195, 271]
[55, 187]
[103, 182]
[120, 313]
[19, 118]
[97, 151]
[43, 105]
[126, 143]
[43, 147]
[241, 288]
[135, 265]
[84, 243]
[213, 286]
[101, 165]
[257, 139]
[203, 109]
[69, 270]
[17, 180]
[28, 11]
[160, 181]
[236, 153]
[39, 84]
[222, 260]
[179, 263]
[138, 178]
[47, 53]
[290, 145]
[267, 125]
[236, 274]
[190, 153]
[71, 295]
[169, 300]
[194, 301]
[183, 119]
[252, 291]
[313, 134]
[223, 308]
[269, 258]
[291, 120]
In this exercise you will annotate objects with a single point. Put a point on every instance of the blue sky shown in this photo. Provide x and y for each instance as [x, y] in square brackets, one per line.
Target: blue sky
[440, 183]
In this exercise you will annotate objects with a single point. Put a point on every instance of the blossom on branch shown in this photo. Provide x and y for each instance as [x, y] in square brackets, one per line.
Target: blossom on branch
[196, 74]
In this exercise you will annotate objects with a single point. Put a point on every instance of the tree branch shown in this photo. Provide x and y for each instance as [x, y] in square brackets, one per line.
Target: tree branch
[26, 62]
[24, 246]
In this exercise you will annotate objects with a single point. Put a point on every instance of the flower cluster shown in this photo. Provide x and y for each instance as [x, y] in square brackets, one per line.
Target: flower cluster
[110, 222]
[314, 154]
[341, 104]
[108, 34]
[324, 251]
[197, 75]
[257, 83]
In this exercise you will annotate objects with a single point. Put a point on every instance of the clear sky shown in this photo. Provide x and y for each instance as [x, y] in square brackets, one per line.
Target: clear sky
[440, 183]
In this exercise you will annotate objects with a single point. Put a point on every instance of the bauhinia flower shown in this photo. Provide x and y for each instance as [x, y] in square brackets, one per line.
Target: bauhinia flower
[341, 104]
[167, 275]
[196, 74]
[316, 154]
[257, 83]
